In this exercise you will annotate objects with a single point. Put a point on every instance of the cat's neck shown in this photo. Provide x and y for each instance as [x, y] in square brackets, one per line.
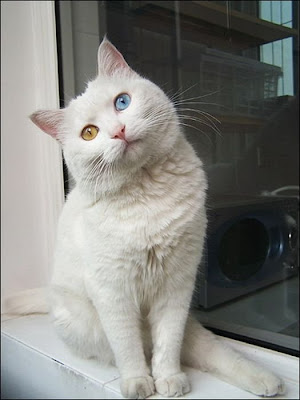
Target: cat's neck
[133, 183]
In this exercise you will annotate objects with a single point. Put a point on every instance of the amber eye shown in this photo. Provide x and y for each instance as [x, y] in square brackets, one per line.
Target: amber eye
[89, 132]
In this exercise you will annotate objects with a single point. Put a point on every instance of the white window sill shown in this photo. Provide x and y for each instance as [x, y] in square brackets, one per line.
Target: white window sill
[37, 365]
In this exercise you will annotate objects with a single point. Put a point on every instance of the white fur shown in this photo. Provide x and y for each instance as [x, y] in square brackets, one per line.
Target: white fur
[130, 239]
[29, 301]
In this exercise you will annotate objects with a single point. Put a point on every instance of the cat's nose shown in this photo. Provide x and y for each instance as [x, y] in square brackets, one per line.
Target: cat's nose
[120, 134]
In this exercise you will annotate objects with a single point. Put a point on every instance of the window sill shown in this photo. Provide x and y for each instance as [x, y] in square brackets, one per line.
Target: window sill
[36, 364]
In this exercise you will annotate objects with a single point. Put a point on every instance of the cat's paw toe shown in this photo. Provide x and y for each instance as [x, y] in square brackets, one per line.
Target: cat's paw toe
[173, 386]
[272, 386]
[268, 385]
[139, 387]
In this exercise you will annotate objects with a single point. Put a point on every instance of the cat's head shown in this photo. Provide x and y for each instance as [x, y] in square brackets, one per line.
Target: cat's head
[121, 123]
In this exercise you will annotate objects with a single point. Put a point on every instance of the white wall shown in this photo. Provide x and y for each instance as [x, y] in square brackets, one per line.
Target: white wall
[31, 165]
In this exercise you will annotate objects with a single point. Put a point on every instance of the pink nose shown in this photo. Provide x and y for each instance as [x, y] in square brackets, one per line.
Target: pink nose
[120, 134]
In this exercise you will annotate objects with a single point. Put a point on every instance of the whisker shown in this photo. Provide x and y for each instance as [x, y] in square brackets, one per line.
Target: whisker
[203, 95]
[208, 115]
[206, 121]
[192, 126]
[178, 93]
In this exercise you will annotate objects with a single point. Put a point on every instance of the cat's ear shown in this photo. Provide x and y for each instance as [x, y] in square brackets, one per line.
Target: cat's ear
[49, 121]
[110, 60]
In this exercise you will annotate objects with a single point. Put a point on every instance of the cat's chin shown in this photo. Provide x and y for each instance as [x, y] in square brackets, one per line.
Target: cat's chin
[132, 145]
[132, 150]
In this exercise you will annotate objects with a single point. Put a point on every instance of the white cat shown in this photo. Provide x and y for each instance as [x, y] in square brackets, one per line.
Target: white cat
[130, 239]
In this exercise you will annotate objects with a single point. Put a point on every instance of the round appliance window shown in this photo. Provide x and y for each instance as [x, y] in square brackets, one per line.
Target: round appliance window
[243, 249]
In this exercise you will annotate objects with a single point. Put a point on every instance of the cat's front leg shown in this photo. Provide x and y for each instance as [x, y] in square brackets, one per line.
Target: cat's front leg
[168, 317]
[121, 323]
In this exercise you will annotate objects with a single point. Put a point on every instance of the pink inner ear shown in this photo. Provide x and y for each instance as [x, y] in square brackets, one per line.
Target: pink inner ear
[110, 60]
[48, 121]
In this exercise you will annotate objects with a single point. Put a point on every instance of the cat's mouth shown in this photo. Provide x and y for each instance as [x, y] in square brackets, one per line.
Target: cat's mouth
[130, 144]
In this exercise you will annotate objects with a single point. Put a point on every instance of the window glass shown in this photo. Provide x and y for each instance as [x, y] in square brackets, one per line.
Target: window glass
[231, 68]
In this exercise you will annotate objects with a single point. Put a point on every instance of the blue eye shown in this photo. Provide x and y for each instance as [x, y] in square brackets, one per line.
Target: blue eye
[122, 101]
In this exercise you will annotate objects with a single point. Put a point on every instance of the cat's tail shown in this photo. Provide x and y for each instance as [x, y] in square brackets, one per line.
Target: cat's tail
[30, 301]
[205, 351]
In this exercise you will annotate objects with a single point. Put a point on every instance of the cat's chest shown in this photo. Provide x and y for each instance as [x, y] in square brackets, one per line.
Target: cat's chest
[142, 228]
[134, 227]
[135, 242]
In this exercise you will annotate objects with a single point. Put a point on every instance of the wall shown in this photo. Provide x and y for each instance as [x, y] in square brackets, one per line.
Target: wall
[31, 165]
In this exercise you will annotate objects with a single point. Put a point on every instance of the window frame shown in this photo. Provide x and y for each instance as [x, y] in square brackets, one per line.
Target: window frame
[41, 41]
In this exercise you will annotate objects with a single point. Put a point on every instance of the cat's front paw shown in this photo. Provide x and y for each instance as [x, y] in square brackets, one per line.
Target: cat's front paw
[267, 385]
[173, 386]
[140, 387]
